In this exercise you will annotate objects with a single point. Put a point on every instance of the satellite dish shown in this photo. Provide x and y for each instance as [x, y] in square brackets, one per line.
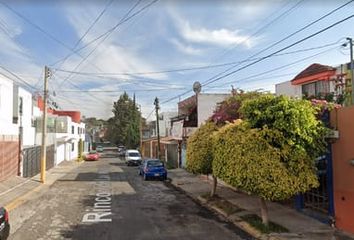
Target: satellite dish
[197, 87]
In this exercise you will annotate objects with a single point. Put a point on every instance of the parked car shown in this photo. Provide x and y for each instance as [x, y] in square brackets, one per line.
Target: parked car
[132, 157]
[92, 156]
[4, 224]
[99, 149]
[153, 168]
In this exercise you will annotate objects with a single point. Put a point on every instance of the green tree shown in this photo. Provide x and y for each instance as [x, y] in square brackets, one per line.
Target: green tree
[247, 159]
[296, 119]
[272, 153]
[123, 127]
[200, 152]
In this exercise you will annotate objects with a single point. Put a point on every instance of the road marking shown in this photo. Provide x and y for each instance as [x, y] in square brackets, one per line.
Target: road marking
[101, 210]
[18, 201]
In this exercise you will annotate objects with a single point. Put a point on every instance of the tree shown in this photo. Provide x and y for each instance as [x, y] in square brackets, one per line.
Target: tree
[124, 126]
[246, 159]
[200, 152]
[295, 118]
[272, 153]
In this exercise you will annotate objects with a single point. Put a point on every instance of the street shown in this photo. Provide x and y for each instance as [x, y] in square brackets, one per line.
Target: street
[107, 200]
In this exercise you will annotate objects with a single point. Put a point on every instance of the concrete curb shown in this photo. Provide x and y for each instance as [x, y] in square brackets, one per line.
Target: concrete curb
[235, 220]
[18, 201]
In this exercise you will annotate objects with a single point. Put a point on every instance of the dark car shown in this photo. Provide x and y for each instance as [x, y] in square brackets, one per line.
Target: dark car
[153, 168]
[4, 224]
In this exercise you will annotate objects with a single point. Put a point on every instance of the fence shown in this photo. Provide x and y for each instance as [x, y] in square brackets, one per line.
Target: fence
[32, 160]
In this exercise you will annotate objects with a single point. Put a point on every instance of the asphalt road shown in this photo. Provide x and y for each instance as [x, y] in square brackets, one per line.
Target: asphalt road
[108, 200]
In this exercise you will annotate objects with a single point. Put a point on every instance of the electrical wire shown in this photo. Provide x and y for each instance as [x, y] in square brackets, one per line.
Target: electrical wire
[102, 40]
[88, 30]
[220, 75]
[100, 74]
[108, 32]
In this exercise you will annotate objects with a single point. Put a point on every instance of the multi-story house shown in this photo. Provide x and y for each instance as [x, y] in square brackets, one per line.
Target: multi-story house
[321, 82]
[192, 112]
[16, 126]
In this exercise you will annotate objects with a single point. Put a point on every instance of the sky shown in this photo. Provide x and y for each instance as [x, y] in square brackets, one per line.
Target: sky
[96, 50]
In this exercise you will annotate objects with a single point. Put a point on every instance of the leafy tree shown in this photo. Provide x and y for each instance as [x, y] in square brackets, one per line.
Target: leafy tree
[124, 126]
[296, 119]
[200, 152]
[247, 159]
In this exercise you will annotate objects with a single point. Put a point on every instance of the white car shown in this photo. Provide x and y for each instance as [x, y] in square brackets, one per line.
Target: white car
[132, 157]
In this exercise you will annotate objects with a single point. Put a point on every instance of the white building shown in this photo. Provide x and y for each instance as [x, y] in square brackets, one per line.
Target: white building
[16, 110]
[64, 134]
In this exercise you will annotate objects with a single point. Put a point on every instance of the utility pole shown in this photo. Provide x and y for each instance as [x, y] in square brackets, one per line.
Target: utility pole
[44, 125]
[141, 130]
[351, 66]
[157, 107]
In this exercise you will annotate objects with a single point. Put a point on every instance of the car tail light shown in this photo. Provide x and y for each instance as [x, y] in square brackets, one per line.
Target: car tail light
[6, 216]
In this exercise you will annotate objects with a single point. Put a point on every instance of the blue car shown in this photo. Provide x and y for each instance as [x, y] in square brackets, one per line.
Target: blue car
[152, 168]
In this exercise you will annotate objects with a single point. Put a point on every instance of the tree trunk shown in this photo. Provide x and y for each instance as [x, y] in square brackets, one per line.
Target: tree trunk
[264, 212]
[213, 189]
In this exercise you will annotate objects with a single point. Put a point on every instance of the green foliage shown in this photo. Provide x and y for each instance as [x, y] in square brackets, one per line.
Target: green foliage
[256, 222]
[247, 159]
[200, 149]
[123, 128]
[294, 118]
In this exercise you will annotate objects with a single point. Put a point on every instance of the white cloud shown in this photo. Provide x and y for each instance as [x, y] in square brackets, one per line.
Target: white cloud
[186, 48]
[222, 37]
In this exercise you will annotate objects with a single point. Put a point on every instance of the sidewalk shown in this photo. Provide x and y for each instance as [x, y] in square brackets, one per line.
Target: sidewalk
[15, 190]
[299, 225]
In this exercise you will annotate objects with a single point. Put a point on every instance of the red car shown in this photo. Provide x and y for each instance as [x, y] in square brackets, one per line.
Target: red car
[92, 156]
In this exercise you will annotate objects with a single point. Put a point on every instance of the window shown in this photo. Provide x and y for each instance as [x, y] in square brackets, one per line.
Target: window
[78, 130]
[72, 147]
[72, 130]
[315, 89]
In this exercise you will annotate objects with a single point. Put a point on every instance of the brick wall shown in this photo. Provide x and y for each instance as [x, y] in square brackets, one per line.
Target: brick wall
[9, 156]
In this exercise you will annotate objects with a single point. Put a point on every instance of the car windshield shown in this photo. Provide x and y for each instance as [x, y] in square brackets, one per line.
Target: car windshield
[134, 154]
[92, 152]
[156, 163]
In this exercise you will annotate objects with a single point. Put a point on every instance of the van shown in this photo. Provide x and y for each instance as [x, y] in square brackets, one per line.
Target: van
[132, 157]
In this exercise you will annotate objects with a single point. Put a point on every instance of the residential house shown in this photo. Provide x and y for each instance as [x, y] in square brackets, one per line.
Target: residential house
[192, 112]
[149, 141]
[319, 81]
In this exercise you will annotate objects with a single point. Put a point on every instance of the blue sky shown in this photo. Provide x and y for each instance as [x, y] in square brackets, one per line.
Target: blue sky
[167, 35]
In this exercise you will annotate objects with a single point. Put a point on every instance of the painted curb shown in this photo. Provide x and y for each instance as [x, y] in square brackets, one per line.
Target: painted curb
[238, 222]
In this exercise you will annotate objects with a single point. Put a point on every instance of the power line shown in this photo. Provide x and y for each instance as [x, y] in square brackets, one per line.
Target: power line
[282, 49]
[267, 25]
[88, 29]
[99, 74]
[219, 75]
[115, 91]
[108, 32]
[41, 30]
[275, 69]
[106, 36]
[17, 77]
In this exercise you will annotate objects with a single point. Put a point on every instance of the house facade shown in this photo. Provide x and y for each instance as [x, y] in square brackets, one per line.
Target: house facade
[320, 82]
[20, 133]
[192, 113]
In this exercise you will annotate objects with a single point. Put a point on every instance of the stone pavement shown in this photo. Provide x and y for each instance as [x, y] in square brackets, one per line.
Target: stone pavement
[15, 190]
[299, 225]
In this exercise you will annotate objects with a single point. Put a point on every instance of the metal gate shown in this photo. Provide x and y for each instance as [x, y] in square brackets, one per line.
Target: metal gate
[172, 155]
[320, 201]
[32, 160]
